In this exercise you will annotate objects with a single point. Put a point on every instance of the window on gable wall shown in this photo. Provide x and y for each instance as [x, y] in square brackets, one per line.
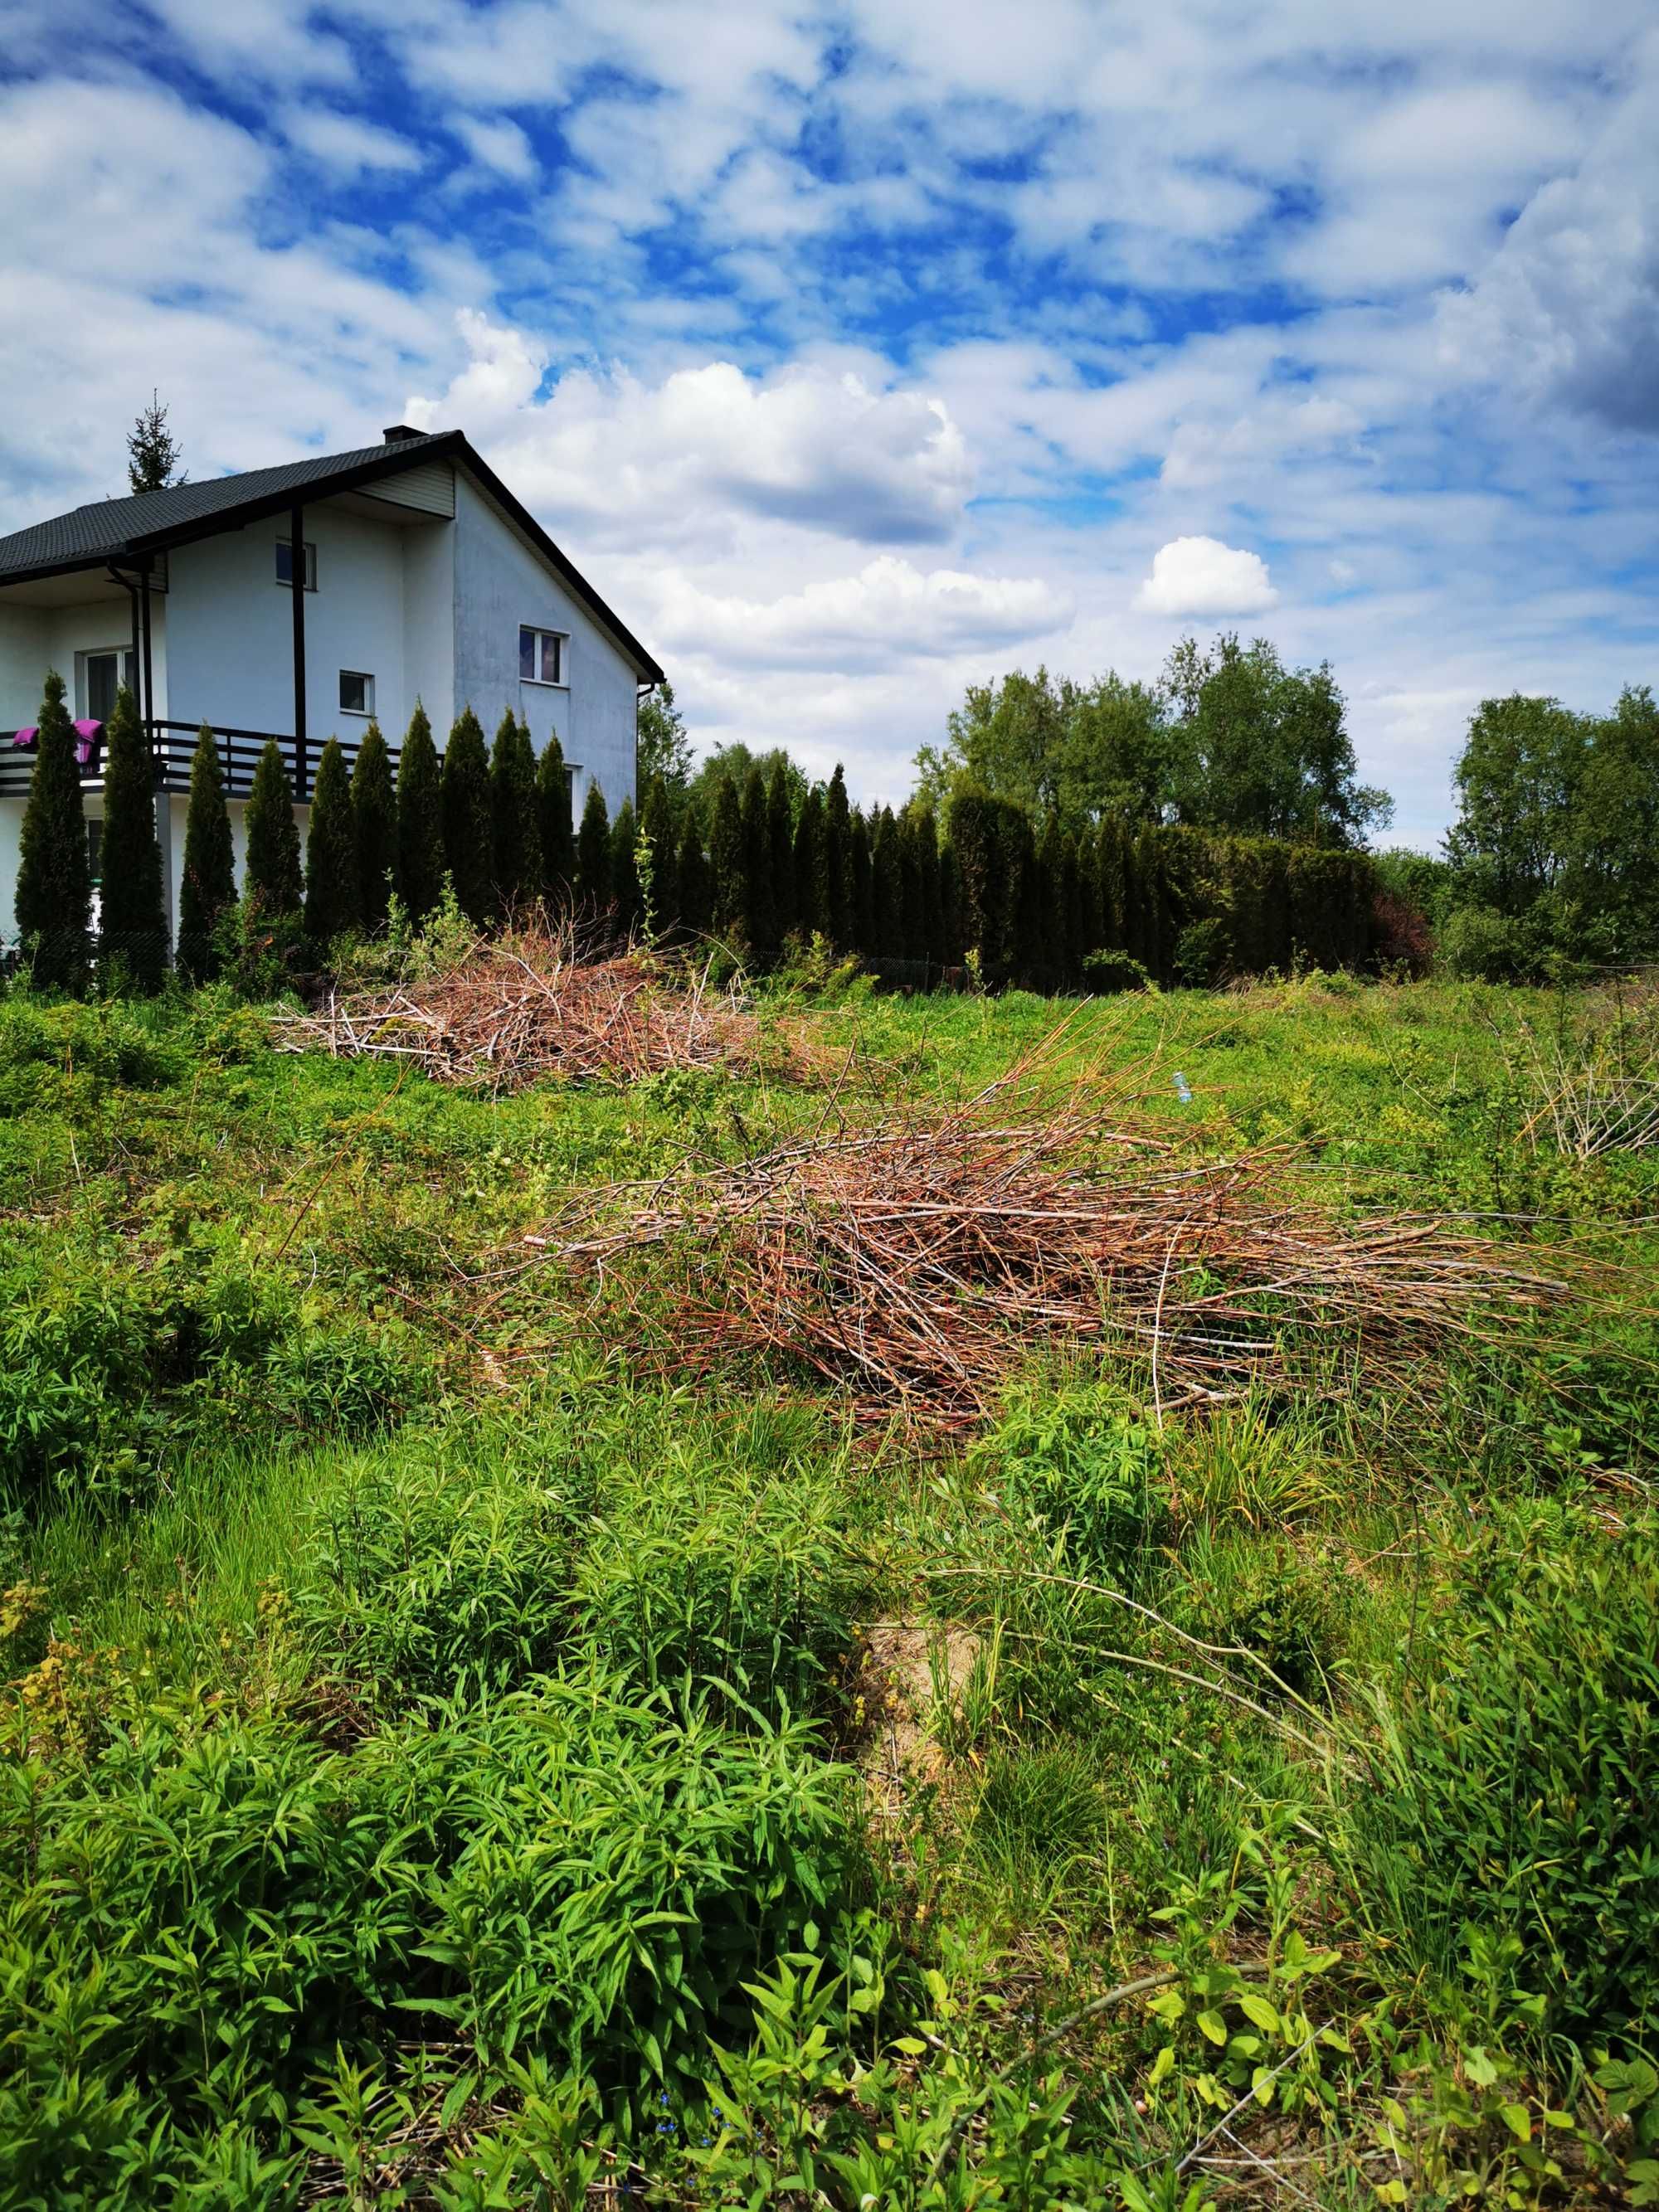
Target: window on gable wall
[357, 693]
[541, 655]
[285, 563]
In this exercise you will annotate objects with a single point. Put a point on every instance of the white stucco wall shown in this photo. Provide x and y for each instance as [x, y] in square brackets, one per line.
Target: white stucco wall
[501, 583]
[25, 657]
[34, 639]
[231, 643]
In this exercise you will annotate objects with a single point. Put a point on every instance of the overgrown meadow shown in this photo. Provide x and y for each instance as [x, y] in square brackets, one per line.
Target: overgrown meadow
[454, 1756]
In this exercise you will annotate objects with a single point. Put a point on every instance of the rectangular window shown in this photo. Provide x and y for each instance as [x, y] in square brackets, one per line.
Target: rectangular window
[541, 656]
[103, 674]
[285, 563]
[357, 693]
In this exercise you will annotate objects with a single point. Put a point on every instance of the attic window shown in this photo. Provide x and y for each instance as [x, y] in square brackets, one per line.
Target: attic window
[541, 656]
[285, 563]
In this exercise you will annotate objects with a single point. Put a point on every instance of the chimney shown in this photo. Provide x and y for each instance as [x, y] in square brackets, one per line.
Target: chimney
[397, 433]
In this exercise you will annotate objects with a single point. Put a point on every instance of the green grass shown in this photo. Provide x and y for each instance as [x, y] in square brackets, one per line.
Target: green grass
[444, 1764]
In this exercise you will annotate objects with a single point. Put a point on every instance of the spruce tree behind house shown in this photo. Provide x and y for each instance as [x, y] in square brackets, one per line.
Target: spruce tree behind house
[272, 876]
[54, 875]
[333, 901]
[132, 921]
[594, 858]
[207, 888]
[374, 818]
[558, 841]
[420, 867]
[469, 830]
[517, 841]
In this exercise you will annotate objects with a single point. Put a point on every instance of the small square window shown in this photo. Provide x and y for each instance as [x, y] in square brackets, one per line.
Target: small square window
[357, 693]
[541, 655]
[285, 563]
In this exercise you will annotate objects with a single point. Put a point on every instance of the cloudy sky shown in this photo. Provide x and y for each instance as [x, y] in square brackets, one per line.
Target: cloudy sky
[861, 352]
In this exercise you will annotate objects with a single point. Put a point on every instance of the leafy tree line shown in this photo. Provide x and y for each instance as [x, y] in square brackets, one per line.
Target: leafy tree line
[1554, 856]
[1228, 740]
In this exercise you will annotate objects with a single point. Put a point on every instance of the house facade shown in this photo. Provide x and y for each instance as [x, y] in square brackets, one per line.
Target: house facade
[423, 579]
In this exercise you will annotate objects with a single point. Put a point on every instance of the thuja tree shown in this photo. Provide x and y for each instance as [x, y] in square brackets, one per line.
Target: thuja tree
[271, 877]
[420, 860]
[515, 831]
[333, 900]
[806, 865]
[593, 855]
[469, 830]
[624, 867]
[558, 841]
[779, 843]
[54, 877]
[374, 820]
[834, 888]
[759, 915]
[657, 833]
[207, 889]
[693, 882]
[132, 922]
[725, 858]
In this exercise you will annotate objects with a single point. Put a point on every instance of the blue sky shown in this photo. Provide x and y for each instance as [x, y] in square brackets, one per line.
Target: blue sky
[859, 353]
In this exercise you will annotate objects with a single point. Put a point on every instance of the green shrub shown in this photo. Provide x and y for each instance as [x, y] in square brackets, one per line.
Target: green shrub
[433, 1584]
[1261, 1594]
[1516, 1775]
[1084, 1468]
[212, 1908]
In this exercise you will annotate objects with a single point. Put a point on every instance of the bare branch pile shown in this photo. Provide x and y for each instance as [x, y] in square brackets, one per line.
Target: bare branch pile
[517, 1010]
[922, 1260]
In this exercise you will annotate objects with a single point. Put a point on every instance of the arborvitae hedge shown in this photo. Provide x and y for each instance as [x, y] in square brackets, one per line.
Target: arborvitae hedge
[272, 878]
[207, 886]
[625, 868]
[469, 830]
[781, 846]
[558, 838]
[692, 880]
[725, 858]
[420, 820]
[760, 923]
[835, 886]
[517, 846]
[807, 866]
[594, 857]
[374, 818]
[54, 874]
[132, 921]
[657, 826]
[333, 900]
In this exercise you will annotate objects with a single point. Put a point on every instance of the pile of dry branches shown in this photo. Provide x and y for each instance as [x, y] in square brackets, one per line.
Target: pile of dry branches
[921, 1260]
[516, 1008]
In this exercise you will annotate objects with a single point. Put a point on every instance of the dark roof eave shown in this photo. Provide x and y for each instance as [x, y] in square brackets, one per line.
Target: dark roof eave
[448, 444]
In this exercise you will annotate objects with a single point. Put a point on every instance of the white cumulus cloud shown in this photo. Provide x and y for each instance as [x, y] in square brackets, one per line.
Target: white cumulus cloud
[812, 445]
[1202, 576]
[890, 612]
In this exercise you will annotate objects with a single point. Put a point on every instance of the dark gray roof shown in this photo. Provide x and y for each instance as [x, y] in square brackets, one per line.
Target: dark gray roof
[116, 528]
[124, 530]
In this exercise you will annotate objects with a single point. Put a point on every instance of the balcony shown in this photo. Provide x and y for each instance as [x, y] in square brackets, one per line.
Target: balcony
[174, 746]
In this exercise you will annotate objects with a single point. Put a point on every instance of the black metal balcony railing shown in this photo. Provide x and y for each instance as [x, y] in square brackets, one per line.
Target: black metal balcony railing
[175, 747]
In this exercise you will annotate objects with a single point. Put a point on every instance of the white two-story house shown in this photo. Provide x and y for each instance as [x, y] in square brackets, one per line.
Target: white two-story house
[423, 577]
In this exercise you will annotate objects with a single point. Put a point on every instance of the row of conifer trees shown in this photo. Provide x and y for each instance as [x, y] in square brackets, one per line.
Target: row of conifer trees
[774, 865]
